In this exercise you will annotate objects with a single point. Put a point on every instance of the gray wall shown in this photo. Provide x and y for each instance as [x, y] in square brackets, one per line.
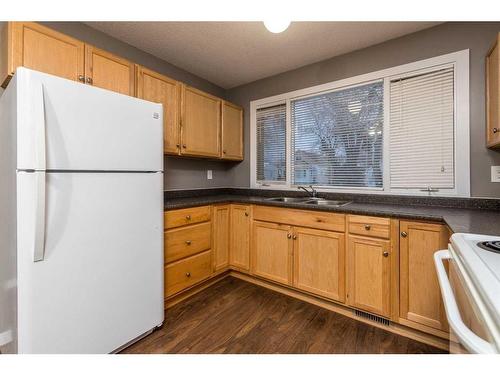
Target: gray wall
[441, 39]
[179, 173]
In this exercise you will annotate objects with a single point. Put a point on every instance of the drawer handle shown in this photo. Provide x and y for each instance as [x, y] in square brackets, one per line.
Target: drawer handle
[188, 242]
[188, 274]
[404, 234]
[188, 217]
[385, 254]
[368, 227]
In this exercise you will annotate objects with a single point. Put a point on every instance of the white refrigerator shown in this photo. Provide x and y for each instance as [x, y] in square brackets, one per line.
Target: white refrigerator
[81, 217]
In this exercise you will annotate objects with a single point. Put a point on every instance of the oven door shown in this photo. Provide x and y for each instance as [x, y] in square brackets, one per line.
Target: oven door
[464, 310]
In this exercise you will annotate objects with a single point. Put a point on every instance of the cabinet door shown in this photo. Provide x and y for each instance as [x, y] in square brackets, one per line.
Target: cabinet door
[272, 248]
[420, 295]
[157, 88]
[369, 276]
[232, 132]
[40, 48]
[493, 95]
[200, 123]
[107, 71]
[239, 253]
[319, 262]
[220, 227]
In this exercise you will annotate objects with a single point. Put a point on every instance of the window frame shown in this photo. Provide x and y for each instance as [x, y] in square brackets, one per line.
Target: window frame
[459, 60]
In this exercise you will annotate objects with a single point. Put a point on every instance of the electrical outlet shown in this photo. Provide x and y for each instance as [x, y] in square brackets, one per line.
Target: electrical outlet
[495, 173]
[209, 174]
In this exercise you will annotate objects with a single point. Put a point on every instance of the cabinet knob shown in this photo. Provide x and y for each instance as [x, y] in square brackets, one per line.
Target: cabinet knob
[288, 235]
[188, 274]
[223, 151]
[385, 254]
[188, 217]
[178, 145]
[294, 237]
[89, 80]
[368, 227]
[188, 242]
[246, 213]
[404, 234]
[495, 130]
[184, 146]
[81, 78]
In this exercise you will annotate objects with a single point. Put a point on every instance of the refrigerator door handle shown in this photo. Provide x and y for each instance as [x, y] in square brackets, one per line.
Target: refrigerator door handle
[40, 129]
[40, 155]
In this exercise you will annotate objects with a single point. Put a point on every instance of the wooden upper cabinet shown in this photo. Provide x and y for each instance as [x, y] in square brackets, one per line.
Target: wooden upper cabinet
[493, 95]
[39, 48]
[319, 262]
[220, 227]
[239, 253]
[272, 251]
[200, 123]
[107, 71]
[232, 132]
[369, 275]
[158, 88]
[420, 295]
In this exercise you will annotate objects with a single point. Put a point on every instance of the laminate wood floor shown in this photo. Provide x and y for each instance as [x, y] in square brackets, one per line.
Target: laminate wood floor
[234, 316]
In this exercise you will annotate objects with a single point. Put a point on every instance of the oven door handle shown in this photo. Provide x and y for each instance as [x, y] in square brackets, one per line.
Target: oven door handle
[469, 339]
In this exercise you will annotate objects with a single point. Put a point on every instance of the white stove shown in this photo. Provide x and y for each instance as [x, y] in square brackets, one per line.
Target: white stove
[471, 291]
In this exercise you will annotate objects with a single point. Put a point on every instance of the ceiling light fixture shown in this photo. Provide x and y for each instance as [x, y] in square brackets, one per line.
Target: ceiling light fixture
[276, 26]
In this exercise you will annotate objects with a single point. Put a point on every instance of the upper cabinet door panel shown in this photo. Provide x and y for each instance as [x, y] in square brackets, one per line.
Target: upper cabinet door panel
[200, 123]
[493, 95]
[40, 48]
[108, 71]
[157, 88]
[232, 132]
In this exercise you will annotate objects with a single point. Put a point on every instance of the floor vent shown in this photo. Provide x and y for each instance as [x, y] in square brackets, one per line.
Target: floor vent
[371, 317]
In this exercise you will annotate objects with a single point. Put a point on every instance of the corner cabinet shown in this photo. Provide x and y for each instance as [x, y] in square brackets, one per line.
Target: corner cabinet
[493, 95]
[220, 227]
[421, 304]
[232, 132]
[240, 229]
[158, 88]
[39, 48]
[200, 123]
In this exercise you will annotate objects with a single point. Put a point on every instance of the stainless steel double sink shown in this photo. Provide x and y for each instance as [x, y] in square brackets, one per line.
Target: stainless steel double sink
[309, 200]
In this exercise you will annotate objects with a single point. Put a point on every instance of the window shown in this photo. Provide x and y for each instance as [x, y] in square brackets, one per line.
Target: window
[421, 128]
[271, 143]
[402, 130]
[337, 137]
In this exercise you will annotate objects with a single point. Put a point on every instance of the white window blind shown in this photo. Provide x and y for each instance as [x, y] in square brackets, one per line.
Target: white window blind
[337, 137]
[271, 143]
[422, 131]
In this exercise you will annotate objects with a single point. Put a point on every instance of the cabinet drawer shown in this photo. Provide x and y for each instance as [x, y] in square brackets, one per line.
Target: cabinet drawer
[185, 216]
[184, 273]
[302, 218]
[183, 242]
[370, 226]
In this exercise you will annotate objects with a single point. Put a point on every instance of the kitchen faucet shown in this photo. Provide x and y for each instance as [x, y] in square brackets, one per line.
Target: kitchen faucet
[313, 193]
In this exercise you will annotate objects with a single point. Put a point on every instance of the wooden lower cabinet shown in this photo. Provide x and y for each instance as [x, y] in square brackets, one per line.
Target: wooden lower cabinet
[369, 275]
[319, 262]
[240, 228]
[220, 224]
[187, 272]
[420, 295]
[272, 252]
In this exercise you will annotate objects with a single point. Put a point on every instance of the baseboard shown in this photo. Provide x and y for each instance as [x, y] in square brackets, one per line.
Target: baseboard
[396, 328]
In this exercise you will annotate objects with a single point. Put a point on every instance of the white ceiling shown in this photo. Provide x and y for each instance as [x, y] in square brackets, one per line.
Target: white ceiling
[230, 54]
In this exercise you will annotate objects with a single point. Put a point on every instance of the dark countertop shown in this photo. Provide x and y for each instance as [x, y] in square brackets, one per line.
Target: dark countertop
[460, 220]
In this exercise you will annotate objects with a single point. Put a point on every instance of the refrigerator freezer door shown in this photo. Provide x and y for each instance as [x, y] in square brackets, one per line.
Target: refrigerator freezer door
[85, 127]
[100, 283]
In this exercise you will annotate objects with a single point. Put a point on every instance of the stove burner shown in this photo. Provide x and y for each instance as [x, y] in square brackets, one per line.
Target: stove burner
[490, 246]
